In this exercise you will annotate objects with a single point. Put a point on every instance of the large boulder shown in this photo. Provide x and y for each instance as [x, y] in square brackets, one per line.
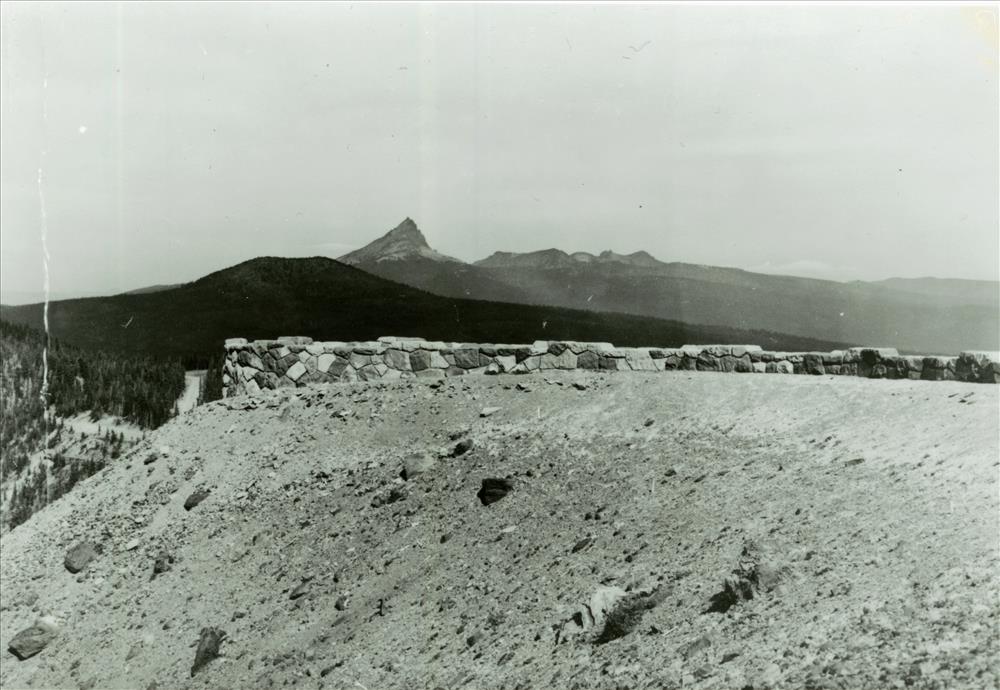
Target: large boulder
[80, 555]
[208, 648]
[494, 489]
[31, 641]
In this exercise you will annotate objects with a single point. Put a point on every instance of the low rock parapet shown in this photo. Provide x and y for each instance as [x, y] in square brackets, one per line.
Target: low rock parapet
[296, 361]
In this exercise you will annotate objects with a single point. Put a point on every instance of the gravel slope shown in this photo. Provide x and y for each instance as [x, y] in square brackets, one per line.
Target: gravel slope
[859, 515]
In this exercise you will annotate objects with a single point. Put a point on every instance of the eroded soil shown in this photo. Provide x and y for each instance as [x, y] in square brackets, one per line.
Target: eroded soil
[869, 510]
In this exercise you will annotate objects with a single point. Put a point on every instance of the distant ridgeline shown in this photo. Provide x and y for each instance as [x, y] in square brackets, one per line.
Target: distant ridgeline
[295, 361]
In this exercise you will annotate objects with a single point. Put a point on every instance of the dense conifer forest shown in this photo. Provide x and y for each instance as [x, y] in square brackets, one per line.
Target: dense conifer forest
[140, 390]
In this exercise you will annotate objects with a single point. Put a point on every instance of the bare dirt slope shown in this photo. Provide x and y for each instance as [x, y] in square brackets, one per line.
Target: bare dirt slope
[855, 520]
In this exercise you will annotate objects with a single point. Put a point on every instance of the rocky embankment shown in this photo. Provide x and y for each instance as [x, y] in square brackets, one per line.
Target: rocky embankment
[298, 361]
[569, 529]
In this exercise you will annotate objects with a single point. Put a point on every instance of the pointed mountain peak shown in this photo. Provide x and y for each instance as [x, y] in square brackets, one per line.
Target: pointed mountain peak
[405, 241]
[408, 228]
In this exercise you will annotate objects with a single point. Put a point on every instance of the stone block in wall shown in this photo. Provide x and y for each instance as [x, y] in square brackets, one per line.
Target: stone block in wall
[395, 375]
[295, 340]
[812, 363]
[539, 347]
[506, 363]
[639, 359]
[672, 362]
[278, 351]
[487, 350]
[235, 342]
[759, 367]
[743, 364]
[296, 371]
[522, 353]
[834, 357]
[741, 350]
[315, 349]
[359, 360]
[780, 367]
[978, 366]
[532, 363]
[588, 359]
[427, 359]
[609, 363]
[454, 371]
[557, 347]
[707, 361]
[470, 358]
[339, 367]
[397, 359]
[688, 362]
[266, 379]
[872, 352]
[251, 387]
[369, 373]
[249, 359]
[564, 360]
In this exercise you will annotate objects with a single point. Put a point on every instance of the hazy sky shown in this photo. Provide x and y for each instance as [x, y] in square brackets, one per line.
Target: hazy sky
[850, 142]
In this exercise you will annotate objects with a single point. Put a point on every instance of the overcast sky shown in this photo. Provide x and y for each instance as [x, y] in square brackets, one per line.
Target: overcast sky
[174, 139]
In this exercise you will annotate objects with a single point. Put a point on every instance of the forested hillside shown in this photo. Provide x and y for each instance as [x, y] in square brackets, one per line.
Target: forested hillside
[138, 390]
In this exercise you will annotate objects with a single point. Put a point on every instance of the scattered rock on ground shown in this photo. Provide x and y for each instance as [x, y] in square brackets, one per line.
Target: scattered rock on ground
[197, 497]
[80, 555]
[462, 447]
[494, 489]
[756, 571]
[208, 648]
[30, 641]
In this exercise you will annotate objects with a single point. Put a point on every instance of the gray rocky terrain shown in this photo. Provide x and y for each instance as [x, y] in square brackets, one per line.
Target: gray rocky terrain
[568, 529]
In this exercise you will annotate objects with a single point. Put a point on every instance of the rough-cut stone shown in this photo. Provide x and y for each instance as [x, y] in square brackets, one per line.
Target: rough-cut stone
[30, 641]
[468, 358]
[978, 366]
[208, 648]
[249, 358]
[587, 360]
[564, 360]
[80, 555]
[506, 363]
[492, 490]
[249, 368]
[397, 359]
[195, 498]
[296, 371]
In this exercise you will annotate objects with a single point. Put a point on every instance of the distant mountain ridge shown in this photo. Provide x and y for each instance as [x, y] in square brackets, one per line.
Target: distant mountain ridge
[932, 316]
[557, 258]
[327, 300]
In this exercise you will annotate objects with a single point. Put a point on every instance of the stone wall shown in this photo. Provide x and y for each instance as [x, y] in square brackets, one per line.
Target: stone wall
[296, 361]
